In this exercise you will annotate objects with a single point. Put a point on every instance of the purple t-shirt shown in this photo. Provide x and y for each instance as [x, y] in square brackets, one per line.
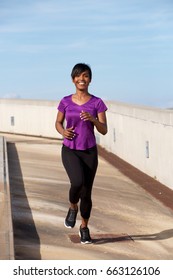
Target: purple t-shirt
[84, 130]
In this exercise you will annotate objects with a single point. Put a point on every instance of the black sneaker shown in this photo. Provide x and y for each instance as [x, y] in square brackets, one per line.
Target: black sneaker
[85, 235]
[70, 220]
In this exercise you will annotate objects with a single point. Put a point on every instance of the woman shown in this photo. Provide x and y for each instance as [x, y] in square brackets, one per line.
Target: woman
[82, 112]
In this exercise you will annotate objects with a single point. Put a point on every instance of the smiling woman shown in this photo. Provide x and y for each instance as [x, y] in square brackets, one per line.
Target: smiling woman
[81, 81]
[82, 111]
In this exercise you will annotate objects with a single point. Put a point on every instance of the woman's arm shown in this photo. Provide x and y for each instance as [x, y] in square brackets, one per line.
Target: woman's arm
[59, 123]
[66, 133]
[100, 122]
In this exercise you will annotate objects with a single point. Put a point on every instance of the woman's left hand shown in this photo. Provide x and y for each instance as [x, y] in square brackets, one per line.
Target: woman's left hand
[85, 116]
[100, 122]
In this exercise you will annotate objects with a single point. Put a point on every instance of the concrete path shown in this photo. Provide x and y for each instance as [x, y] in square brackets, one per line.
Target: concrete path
[126, 222]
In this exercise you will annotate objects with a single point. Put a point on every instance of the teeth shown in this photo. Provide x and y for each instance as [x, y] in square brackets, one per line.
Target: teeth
[81, 83]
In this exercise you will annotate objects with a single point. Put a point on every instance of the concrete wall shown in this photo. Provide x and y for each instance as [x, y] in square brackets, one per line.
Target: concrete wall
[6, 228]
[143, 137]
[31, 117]
[139, 135]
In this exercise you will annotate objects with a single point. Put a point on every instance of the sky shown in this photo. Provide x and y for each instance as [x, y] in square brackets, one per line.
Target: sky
[127, 43]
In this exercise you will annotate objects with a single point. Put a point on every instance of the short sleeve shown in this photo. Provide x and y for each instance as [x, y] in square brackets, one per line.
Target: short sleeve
[101, 107]
[61, 106]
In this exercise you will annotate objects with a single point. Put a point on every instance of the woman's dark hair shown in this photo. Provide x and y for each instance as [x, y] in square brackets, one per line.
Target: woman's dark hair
[79, 69]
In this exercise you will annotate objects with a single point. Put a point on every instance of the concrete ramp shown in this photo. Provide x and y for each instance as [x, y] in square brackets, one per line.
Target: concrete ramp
[127, 222]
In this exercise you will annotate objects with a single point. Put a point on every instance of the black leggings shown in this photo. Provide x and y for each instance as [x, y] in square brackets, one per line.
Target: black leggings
[81, 168]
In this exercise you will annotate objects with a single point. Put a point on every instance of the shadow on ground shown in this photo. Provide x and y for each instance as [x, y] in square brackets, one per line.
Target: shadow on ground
[111, 238]
[26, 239]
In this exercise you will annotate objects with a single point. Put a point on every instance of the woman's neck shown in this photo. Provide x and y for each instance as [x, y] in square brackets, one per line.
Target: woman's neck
[81, 94]
[81, 97]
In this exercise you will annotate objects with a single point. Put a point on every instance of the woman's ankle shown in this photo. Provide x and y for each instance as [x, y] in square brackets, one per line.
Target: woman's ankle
[84, 223]
[74, 206]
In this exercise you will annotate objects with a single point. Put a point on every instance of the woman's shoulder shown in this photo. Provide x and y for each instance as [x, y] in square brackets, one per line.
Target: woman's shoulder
[96, 99]
[99, 104]
[66, 99]
[64, 103]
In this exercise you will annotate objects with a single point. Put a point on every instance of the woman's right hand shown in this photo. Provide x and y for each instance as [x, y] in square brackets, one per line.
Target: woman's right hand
[69, 133]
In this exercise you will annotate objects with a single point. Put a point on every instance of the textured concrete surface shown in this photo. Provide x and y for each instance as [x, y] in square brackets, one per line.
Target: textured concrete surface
[127, 222]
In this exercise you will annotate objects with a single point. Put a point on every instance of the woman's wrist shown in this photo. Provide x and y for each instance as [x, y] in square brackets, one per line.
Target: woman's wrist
[62, 133]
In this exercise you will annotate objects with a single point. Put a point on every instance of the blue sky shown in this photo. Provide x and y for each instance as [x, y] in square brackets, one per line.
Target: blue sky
[127, 43]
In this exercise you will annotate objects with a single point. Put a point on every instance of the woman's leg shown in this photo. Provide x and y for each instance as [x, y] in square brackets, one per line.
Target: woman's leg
[73, 167]
[74, 171]
[81, 168]
[90, 160]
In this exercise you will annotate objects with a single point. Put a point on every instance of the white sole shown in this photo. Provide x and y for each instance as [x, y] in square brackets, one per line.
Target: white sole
[86, 242]
[67, 226]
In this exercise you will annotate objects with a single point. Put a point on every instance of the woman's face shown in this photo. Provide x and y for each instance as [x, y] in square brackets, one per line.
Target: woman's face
[82, 81]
